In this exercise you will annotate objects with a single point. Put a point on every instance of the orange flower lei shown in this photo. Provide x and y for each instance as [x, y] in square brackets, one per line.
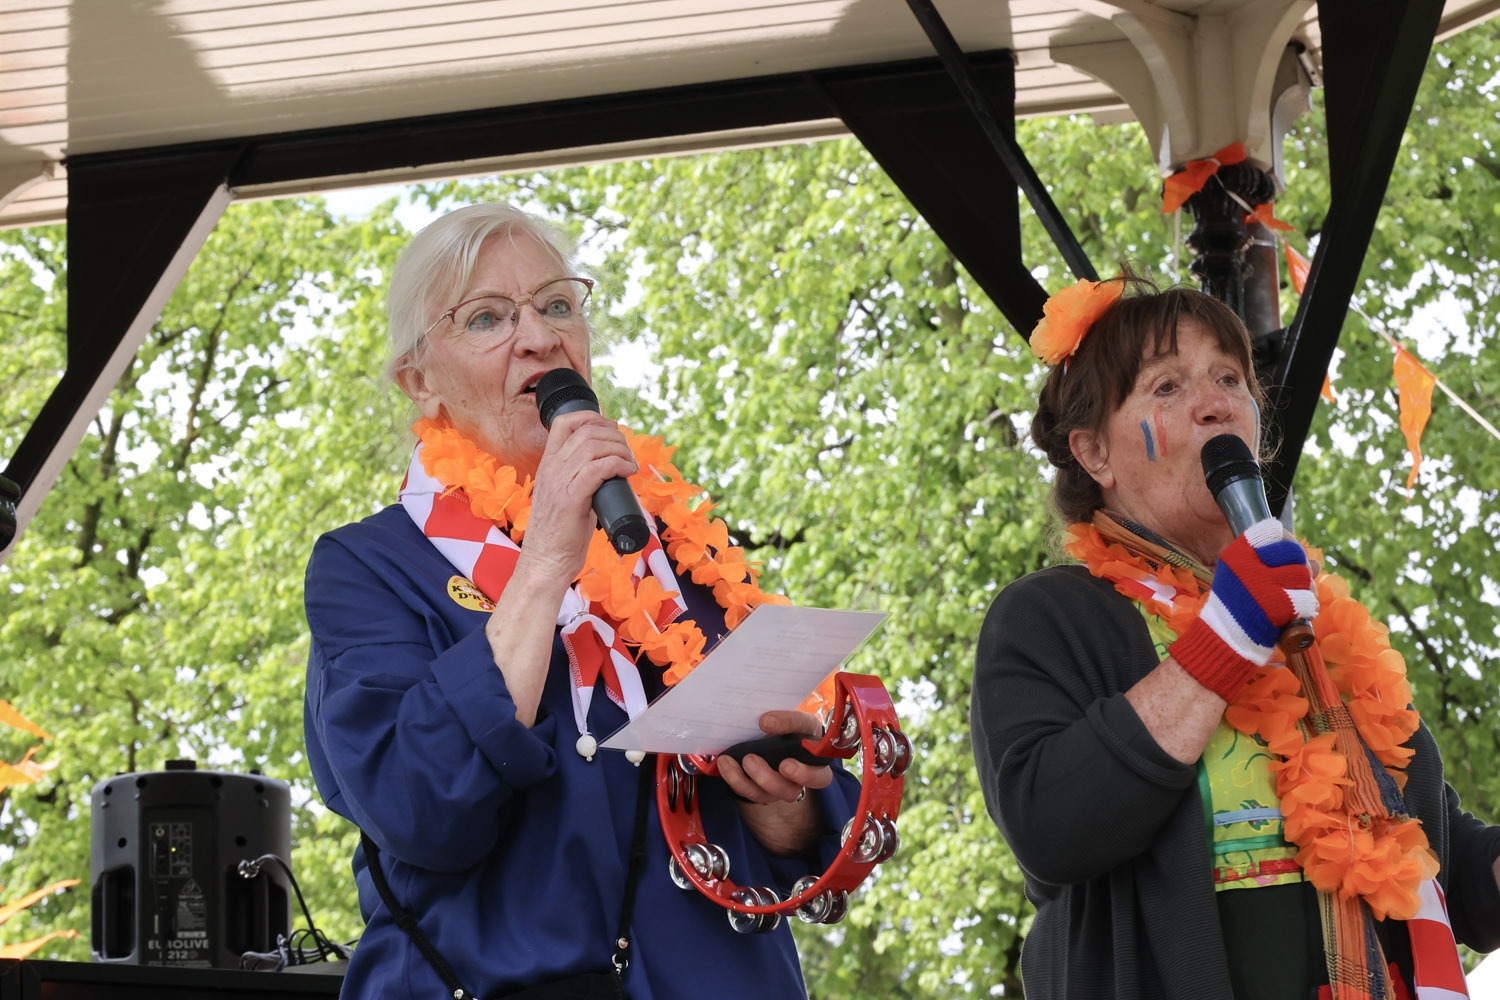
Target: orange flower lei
[1067, 317]
[697, 543]
[1383, 860]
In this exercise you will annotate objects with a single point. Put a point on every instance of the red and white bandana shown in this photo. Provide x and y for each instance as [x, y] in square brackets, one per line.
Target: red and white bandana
[487, 557]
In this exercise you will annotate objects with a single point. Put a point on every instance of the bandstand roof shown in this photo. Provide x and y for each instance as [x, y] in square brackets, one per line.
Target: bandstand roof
[149, 116]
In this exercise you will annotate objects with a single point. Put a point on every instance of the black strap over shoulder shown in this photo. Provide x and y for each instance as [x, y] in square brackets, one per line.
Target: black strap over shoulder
[637, 862]
[408, 923]
[597, 986]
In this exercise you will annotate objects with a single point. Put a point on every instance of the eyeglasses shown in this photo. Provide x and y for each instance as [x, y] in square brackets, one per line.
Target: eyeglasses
[491, 319]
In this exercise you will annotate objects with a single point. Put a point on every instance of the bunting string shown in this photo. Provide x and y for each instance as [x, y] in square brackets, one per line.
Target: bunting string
[1458, 401]
[1414, 382]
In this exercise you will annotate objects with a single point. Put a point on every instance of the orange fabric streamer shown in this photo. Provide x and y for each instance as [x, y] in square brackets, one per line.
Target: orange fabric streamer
[22, 949]
[10, 717]
[1265, 214]
[1188, 181]
[1414, 398]
[1297, 268]
[11, 909]
[24, 771]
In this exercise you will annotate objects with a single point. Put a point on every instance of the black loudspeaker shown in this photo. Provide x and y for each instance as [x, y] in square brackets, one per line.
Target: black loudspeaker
[167, 847]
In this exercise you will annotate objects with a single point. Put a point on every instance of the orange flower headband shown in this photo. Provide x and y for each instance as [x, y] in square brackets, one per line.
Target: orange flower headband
[1069, 315]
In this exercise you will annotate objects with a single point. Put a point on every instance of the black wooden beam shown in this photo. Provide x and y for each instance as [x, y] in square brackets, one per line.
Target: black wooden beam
[130, 210]
[1374, 54]
[128, 224]
[943, 161]
[1000, 131]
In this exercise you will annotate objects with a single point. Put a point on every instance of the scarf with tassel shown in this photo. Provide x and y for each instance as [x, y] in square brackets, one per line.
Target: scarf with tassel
[1337, 717]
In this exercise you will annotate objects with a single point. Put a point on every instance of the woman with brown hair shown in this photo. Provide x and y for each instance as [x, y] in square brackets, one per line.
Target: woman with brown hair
[1197, 814]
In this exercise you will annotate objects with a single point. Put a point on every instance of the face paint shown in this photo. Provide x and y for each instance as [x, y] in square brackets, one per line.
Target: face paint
[1150, 444]
[1161, 434]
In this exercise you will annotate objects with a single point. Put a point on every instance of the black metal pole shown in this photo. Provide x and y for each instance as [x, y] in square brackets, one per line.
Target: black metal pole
[1221, 240]
[1016, 164]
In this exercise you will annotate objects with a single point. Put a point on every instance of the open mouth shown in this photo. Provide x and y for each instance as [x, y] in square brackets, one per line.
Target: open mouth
[529, 386]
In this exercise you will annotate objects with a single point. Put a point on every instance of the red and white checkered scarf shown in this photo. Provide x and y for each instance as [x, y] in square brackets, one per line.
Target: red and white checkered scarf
[487, 557]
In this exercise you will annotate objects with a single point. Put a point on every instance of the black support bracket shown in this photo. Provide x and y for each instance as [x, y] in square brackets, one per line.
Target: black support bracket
[1374, 54]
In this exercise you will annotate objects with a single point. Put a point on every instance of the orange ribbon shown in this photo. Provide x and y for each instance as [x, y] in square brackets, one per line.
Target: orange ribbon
[1265, 214]
[1188, 181]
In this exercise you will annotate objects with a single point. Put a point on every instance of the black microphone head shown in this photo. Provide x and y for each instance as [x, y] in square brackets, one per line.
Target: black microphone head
[1227, 459]
[559, 386]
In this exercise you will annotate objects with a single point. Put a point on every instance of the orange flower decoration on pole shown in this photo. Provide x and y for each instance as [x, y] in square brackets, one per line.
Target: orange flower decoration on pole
[1188, 181]
[1068, 316]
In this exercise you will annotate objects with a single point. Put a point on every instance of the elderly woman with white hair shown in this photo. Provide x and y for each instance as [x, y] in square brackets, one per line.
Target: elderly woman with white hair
[459, 639]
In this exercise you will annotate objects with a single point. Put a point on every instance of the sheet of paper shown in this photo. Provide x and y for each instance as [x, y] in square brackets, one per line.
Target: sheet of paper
[777, 656]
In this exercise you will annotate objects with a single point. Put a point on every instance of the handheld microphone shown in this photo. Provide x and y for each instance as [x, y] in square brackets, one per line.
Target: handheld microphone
[561, 391]
[1234, 480]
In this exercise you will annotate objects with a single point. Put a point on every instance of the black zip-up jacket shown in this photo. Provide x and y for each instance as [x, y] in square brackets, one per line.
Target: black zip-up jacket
[1109, 829]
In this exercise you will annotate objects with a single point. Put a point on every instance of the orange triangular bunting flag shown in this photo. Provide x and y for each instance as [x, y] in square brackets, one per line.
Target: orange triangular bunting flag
[1327, 391]
[1188, 181]
[1265, 214]
[1297, 268]
[11, 909]
[10, 717]
[25, 948]
[1414, 397]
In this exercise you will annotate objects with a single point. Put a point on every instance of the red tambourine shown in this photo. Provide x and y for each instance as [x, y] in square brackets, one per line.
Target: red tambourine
[863, 720]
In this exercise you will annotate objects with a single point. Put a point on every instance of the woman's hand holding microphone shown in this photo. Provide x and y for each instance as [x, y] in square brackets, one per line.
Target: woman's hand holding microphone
[1262, 584]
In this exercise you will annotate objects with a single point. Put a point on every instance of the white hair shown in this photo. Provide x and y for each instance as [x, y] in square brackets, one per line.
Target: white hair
[438, 262]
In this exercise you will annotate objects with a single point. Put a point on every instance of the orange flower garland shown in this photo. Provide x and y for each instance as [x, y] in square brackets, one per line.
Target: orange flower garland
[1380, 859]
[1067, 316]
[698, 544]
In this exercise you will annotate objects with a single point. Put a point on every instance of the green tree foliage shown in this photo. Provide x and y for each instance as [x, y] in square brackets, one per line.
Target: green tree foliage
[1425, 563]
[834, 377]
[153, 610]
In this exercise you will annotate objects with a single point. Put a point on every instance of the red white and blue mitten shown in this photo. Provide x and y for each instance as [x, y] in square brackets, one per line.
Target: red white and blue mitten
[1262, 583]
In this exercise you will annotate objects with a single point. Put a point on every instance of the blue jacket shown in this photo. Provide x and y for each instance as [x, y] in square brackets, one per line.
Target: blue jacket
[509, 847]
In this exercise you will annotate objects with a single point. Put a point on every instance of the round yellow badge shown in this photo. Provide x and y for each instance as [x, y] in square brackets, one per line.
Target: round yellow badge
[468, 595]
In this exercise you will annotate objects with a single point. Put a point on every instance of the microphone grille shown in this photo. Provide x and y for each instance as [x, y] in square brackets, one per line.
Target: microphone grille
[1226, 459]
[559, 386]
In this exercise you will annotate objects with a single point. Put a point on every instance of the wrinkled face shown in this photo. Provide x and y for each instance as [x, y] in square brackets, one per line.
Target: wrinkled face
[1146, 460]
[484, 383]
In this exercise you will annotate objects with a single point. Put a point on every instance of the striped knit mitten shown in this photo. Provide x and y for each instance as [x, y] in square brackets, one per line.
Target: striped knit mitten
[1261, 584]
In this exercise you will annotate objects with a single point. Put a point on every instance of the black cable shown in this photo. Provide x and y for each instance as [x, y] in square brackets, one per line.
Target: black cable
[293, 953]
